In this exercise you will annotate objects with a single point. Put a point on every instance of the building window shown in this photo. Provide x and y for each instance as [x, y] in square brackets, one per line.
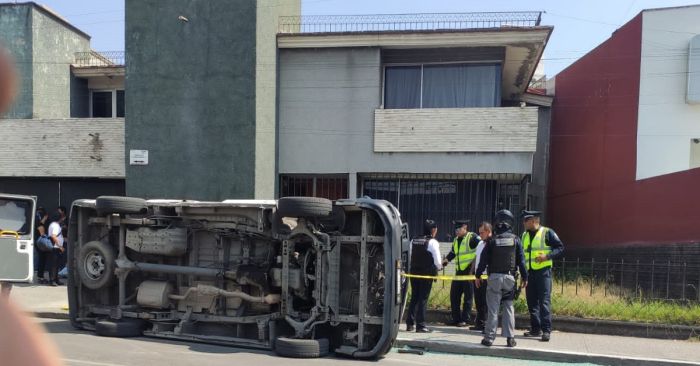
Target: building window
[442, 86]
[332, 187]
[102, 104]
[120, 103]
[106, 103]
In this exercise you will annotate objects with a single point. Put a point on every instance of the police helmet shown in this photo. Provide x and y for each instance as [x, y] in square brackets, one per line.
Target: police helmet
[504, 218]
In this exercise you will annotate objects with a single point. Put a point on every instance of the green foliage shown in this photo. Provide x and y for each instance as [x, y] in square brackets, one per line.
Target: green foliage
[593, 301]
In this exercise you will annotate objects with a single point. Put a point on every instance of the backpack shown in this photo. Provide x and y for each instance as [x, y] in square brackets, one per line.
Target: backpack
[44, 244]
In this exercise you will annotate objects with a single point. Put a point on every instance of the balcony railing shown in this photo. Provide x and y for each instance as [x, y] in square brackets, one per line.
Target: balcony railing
[406, 22]
[100, 59]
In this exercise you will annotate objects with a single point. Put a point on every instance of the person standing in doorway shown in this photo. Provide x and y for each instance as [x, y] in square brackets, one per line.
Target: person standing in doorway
[542, 246]
[425, 261]
[463, 253]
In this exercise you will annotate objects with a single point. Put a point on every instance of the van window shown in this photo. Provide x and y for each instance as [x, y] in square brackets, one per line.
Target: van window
[15, 215]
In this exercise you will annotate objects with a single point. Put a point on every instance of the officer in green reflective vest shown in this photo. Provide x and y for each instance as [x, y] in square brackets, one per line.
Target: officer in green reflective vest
[463, 253]
[541, 245]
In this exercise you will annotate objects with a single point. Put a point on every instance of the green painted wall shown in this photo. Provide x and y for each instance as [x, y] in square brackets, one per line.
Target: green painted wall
[43, 49]
[191, 98]
[16, 37]
[79, 98]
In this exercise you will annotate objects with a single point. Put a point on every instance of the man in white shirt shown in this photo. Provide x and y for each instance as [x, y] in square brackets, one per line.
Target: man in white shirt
[485, 232]
[425, 261]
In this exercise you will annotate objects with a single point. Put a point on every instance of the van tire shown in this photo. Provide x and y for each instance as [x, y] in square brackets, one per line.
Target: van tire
[304, 207]
[301, 348]
[107, 205]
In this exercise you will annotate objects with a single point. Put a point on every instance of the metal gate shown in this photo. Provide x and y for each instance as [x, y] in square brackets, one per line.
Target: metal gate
[446, 199]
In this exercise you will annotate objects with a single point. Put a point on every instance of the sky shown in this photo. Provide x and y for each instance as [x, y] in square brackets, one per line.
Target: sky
[579, 25]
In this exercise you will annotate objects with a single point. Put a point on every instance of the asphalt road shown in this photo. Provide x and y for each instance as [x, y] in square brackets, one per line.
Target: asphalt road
[82, 348]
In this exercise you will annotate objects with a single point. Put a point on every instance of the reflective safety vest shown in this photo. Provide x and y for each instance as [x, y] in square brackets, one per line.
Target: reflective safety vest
[464, 255]
[536, 247]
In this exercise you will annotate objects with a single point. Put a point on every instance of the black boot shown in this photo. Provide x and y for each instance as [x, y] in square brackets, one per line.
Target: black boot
[533, 334]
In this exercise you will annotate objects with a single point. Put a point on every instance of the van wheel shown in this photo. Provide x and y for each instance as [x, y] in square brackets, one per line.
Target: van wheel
[301, 348]
[119, 328]
[96, 264]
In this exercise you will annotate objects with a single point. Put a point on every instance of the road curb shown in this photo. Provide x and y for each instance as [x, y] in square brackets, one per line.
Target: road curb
[49, 315]
[533, 355]
[593, 326]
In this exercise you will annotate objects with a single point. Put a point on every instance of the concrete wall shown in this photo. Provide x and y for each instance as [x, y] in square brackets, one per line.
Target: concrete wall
[82, 147]
[598, 112]
[327, 103]
[16, 37]
[190, 99]
[54, 47]
[106, 83]
[268, 13]
[593, 143]
[508, 129]
[667, 124]
[540, 164]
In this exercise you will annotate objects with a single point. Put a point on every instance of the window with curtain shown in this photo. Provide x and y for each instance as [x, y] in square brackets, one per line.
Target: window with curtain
[442, 86]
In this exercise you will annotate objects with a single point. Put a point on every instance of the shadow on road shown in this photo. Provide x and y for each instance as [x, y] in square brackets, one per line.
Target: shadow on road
[64, 327]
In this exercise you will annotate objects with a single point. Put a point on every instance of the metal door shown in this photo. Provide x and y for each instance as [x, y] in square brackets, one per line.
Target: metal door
[17, 238]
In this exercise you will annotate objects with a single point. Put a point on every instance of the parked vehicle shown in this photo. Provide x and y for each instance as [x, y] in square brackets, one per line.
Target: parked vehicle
[17, 238]
[303, 276]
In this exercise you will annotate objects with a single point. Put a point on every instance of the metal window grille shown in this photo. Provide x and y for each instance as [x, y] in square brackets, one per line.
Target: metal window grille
[445, 200]
[332, 187]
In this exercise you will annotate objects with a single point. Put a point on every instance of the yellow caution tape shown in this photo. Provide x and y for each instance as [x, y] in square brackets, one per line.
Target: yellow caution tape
[445, 278]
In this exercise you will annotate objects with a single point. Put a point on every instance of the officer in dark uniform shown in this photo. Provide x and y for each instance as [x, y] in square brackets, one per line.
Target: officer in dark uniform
[503, 256]
[463, 253]
[541, 245]
[425, 261]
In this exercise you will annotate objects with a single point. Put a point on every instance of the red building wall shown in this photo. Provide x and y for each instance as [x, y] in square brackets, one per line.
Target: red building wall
[594, 198]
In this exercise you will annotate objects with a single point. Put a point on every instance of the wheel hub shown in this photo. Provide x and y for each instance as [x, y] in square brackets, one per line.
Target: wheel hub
[94, 265]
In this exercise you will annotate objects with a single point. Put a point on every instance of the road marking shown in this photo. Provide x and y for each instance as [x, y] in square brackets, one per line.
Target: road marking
[70, 360]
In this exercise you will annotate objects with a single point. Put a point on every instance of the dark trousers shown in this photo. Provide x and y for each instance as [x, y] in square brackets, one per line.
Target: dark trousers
[48, 261]
[539, 293]
[482, 308]
[460, 289]
[420, 291]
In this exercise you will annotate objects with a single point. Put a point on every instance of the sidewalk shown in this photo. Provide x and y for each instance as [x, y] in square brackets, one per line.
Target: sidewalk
[564, 347]
[41, 300]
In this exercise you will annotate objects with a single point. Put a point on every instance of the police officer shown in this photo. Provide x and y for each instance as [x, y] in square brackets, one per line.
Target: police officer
[541, 245]
[464, 253]
[425, 261]
[503, 256]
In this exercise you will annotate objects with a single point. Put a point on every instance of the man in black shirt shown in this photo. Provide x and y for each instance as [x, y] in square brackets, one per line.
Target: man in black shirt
[425, 261]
